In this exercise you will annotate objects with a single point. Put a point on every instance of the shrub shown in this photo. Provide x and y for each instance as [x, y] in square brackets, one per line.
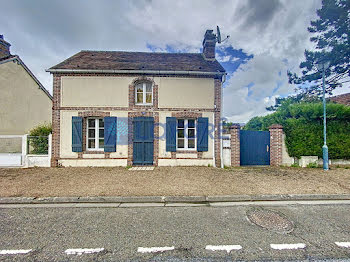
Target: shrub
[38, 140]
[303, 125]
[312, 165]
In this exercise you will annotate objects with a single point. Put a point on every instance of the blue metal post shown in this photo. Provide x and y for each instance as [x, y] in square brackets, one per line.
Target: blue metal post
[324, 148]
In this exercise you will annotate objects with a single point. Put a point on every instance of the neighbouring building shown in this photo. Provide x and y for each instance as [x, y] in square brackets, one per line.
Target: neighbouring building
[113, 108]
[24, 102]
[341, 99]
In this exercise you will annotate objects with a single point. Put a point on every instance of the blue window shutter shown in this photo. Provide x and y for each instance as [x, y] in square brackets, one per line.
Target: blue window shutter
[77, 134]
[110, 134]
[202, 134]
[170, 134]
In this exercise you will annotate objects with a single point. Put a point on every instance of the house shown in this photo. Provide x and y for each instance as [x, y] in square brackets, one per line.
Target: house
[24, 102]
[341, 99]
[113, 108]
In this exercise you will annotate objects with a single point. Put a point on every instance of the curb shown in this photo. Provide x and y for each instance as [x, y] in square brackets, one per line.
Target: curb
[170, 200]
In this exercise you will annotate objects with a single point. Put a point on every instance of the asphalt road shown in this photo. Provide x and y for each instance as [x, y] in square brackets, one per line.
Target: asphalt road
[124, 234]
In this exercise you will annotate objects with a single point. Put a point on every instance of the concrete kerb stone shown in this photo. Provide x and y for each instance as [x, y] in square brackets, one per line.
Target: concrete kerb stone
[185, 199]
[171, 200]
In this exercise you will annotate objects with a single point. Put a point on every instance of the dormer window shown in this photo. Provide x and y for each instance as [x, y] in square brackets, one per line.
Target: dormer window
[144, 94]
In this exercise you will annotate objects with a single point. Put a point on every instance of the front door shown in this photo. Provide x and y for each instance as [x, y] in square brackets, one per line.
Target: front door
[143, 140]
[255, 147]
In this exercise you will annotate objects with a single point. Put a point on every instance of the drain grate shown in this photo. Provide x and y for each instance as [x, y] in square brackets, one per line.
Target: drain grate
[270, 220]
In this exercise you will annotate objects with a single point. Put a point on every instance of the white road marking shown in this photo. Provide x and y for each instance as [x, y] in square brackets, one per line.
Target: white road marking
[227, 248]
[343, 244]
[80, 251]
[288, 246]
[15, 251]
[154, 249]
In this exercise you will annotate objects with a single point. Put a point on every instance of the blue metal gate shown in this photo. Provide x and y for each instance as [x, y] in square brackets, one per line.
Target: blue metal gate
[143, 140]
[255, 147]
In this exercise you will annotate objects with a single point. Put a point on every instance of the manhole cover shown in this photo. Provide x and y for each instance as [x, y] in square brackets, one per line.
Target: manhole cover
[270, 220]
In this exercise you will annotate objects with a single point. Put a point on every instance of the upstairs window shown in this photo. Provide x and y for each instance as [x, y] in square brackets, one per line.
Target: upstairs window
[95, 134]
[186, 134]
[144, 94]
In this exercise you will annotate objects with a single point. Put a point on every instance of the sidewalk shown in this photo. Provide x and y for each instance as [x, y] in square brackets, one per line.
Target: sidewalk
[173, 201]
[243, 182]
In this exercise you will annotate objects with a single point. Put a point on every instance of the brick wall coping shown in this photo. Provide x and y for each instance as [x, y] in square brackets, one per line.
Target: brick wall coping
[276, 126]
[235, 126]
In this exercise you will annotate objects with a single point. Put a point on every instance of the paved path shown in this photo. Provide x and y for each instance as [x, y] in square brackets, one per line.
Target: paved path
[172, 233]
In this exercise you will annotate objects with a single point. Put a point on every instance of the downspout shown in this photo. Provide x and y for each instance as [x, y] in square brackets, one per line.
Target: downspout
[221, 129]
[214, 165]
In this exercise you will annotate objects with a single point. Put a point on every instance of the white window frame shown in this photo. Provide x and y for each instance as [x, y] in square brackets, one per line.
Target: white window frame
[97, 134]
[186, 134]
[144, 94]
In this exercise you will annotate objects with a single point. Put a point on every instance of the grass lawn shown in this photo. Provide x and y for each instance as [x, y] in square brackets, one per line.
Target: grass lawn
[172, 181]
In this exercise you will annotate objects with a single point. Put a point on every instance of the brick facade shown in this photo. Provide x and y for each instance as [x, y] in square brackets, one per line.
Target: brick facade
[56, 116]
[132, 93]
[85, 115]
[235, 145]
[276, 132]
[217, 121]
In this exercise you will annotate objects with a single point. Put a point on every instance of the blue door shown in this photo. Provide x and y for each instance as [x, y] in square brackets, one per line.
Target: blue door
[143, 140]
[255, 147]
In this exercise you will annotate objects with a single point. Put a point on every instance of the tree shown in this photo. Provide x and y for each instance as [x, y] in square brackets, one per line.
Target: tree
[331, 35]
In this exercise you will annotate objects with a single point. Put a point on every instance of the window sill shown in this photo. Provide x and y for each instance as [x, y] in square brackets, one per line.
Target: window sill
[143, 104]
[186, 151]
[94, 152]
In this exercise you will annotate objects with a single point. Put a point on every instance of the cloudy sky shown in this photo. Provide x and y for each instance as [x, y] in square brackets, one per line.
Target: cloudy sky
[267, 37]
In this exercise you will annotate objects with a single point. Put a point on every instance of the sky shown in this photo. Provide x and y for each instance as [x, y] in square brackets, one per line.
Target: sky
[267, 38]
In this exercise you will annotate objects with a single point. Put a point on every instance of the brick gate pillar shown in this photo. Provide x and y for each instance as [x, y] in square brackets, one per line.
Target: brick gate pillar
[235, 145]
[276, 132]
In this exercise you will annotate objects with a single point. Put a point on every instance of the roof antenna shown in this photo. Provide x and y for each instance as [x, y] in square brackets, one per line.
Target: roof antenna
[218, 36]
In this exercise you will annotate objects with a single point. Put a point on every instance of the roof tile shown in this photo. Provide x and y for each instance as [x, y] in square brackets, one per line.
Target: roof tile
[119, 60]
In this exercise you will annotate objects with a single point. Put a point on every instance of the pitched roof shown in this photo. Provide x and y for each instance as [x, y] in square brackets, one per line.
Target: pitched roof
[119, 60]
[341, 99]
[16, 58]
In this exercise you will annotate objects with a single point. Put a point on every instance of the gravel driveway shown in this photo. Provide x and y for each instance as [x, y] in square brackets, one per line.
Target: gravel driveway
[172, 181]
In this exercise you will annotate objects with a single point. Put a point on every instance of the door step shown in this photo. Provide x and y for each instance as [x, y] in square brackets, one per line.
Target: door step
[142, 168]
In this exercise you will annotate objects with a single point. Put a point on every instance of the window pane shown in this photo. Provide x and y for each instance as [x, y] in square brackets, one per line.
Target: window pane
[139, 88]
[91, 133]
[101, 122]
[91, 143]
[91, 122]
[148, 87]
[190, 122]
[190, 143]
[149, 98]
[101, 133]
[190, 133]
[180, 133]
[180, 123]
[139, 98]
[101, 143]
[180, 143]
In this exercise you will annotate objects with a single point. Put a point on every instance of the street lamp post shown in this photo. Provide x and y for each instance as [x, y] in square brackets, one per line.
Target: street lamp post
[323, 65]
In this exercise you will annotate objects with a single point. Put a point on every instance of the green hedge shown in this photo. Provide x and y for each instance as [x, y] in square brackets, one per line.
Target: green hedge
[38, 139]
[303, 126]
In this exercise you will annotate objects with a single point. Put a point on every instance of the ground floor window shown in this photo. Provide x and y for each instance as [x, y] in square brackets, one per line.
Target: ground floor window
[186, 134]
[95, 134]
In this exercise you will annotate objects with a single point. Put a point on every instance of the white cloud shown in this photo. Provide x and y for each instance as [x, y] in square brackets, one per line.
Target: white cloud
[45, 33]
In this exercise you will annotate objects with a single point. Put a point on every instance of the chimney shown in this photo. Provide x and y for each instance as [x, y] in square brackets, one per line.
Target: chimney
[4, 47]
[209, 45]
